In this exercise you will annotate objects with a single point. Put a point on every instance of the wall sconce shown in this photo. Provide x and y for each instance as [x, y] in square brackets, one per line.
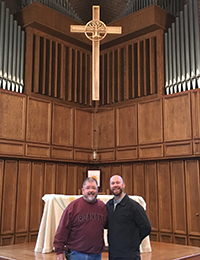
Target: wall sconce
[94, 155]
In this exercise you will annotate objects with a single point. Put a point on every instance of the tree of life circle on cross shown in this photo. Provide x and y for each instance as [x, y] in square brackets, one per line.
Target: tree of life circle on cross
[95, 30]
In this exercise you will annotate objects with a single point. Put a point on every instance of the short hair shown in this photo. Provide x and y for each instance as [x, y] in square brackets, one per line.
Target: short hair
[90, 179]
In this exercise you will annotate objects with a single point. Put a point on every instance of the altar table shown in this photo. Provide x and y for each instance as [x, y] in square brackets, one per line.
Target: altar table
[53, 209]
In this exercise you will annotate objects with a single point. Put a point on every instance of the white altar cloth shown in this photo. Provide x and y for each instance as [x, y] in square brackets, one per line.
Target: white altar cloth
[53, 209]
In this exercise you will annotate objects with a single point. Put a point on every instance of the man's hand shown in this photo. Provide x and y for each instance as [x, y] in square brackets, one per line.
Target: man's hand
[60, 257]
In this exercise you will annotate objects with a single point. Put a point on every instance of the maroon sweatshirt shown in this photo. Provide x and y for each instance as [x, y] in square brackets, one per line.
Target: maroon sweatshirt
[81, 227]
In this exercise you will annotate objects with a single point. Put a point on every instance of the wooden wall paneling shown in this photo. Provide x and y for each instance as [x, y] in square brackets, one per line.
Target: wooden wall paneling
[50, 178]
[120, 69]
[84, 155]
[80, 77]
[74, 74]
[106, 173]
[84, 79]
[7, 240]
[134, 77]
[81, 176]
[38, 121]
[13, 111]
[195, 101]
[150, 122]
[126, 126]
[62, 125]
[194, 241]
[89, 82]
[21, 238]
[12, 148]
[102, 79]
[113, 76]
[32, 236]
[1, 187]
[116, 169]
[153, 69]
[178, 149]
[146, 67]
[83, 128]
[178, 197]
[37, 187]
[159, 59]
[49, 67]
[109, 78]
[68, 80]
[28, 61]
[61, 178]
[72, 180]
[9, 197]
[151, 191]
[140, 66]
[106, 128]
[23, 197]
[127, 79]
[164, 197]
[166, 238]
[154, 236]
[127, 175]
[36, 63]
[39, 151]
[177, 117]
[44, 62]
[180, 239]
[193, 196]
[55, 69]
[62, 71]
[139, 180]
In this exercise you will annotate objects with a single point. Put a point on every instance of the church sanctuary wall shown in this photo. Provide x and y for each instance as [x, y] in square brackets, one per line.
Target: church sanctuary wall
[46, 147]
[49, 133]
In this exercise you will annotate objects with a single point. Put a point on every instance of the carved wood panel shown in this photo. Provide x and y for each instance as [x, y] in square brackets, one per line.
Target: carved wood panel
[178, 197]
[9, 197]
[81, 176]
[61, 179]
[71, 180]
[127, 175]
[177, 118]
[106, 174]
[50, 178]
[36, 203]
[62, 125]
[106, 129]
[38, 121]
[150, 122]
[126, 126]
[151, 190]
[193, 196]
[23, 197]
[83, 129]
[164, 197]
[1, 185]
[139, 180]
[13, 111]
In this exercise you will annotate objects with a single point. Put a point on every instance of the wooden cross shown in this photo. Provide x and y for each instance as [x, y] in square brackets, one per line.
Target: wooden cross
[95, 30]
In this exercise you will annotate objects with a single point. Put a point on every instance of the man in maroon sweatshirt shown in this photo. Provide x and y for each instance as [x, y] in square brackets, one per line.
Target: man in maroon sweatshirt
[81, 229]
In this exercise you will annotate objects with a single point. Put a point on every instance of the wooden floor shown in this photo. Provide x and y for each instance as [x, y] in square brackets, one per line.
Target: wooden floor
[160, 251]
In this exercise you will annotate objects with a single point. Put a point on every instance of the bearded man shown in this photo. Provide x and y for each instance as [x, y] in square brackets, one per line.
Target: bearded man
[127, 223]
[80, 233]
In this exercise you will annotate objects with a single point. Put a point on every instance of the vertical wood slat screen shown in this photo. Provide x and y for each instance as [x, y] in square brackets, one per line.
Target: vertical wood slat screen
[130, 71]
[60, 71]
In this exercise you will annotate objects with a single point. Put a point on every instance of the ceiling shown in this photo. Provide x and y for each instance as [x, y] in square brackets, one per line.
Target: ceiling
[110, 10]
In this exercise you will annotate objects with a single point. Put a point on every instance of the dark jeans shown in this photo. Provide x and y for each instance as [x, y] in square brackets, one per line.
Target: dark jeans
[74, 255]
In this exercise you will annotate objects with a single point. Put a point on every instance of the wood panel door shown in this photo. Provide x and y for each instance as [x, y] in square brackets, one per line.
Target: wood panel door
[193, 196]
